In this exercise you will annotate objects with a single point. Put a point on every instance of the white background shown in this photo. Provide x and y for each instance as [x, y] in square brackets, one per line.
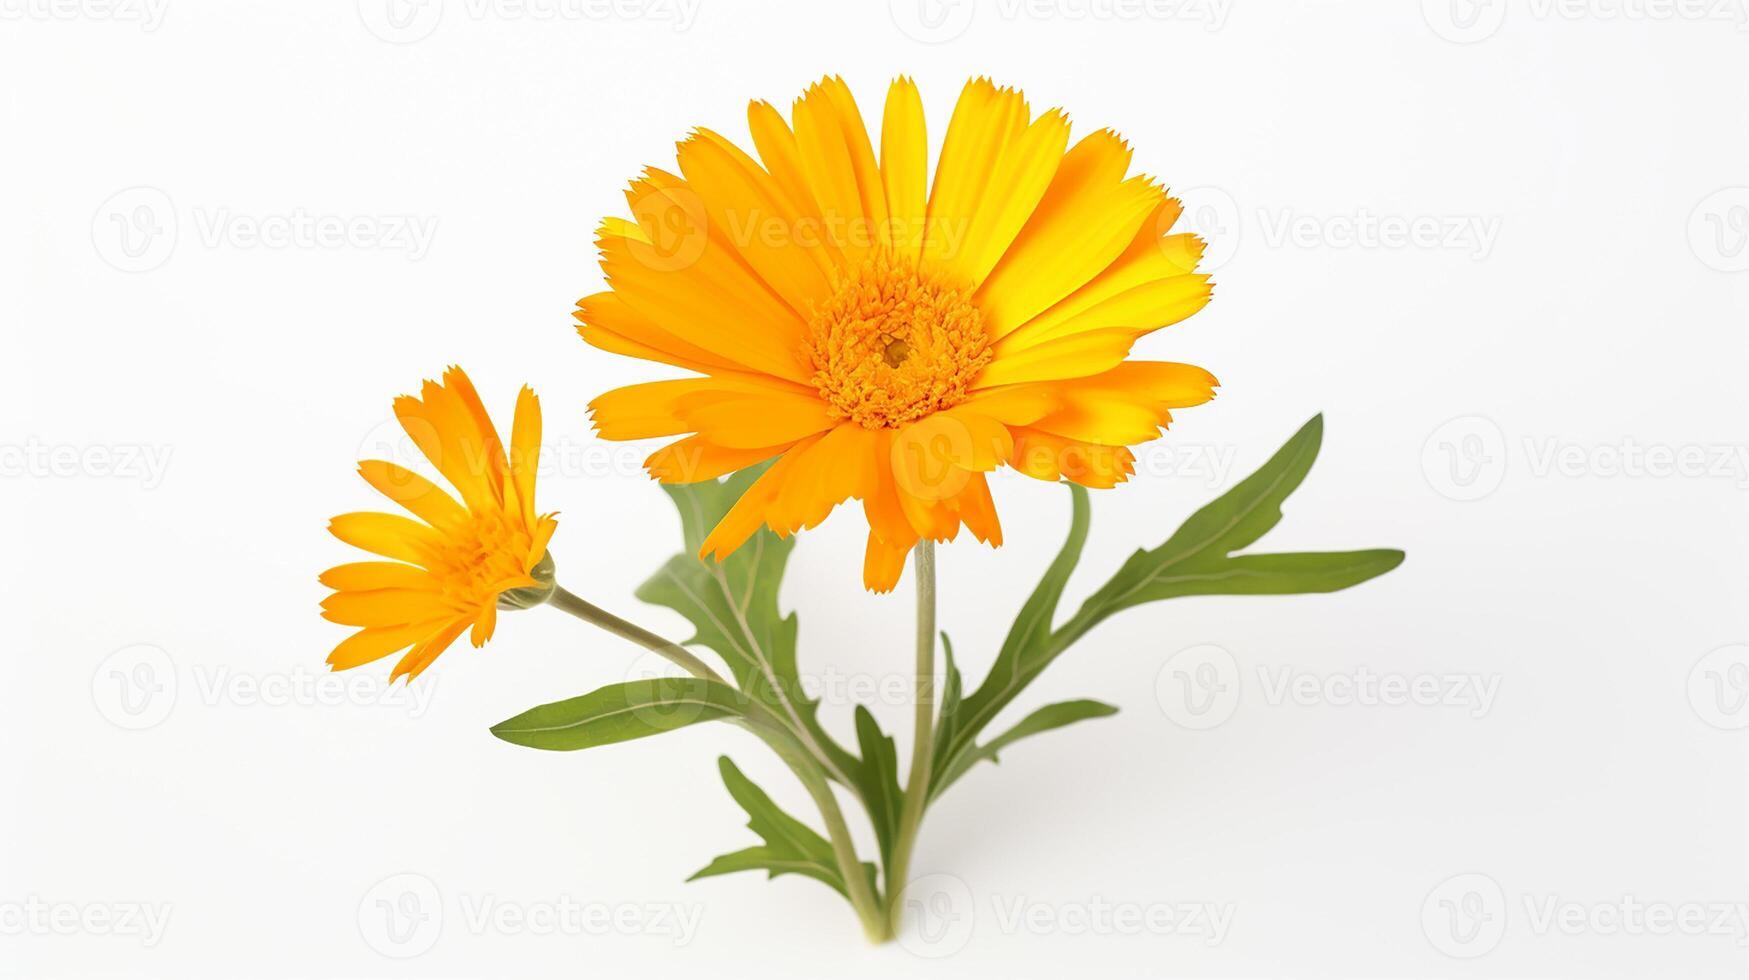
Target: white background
[183, 405]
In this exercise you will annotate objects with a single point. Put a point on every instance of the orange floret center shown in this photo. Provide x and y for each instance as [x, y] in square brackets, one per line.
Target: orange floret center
[895, 344]
[482, 557]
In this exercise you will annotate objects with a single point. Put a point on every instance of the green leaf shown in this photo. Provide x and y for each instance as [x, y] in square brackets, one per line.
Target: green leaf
[620, 712]
[877, 779]
[732, 605]
[791, 847]
[947, 721]
[1029, 636]
[1043, 720]
[1277, 574]
[1198, 559]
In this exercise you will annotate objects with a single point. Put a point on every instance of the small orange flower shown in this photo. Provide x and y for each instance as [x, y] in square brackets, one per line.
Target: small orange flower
[890, 338]
[452, 564]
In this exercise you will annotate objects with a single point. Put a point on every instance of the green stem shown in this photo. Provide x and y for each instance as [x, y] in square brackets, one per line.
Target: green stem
[856, 883]
[774, 734]
[591, 613]
[923, 744]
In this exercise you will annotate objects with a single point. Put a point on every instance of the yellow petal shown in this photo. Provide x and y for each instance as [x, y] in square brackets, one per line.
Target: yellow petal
[749, 512]
[362, 576]
[389, 535]
[1087, 218]
[421, 497]
[696, 458]
[883, 563]
[606, 322]
[369, 645]
[383, 607]
[525, 430]
[421, 656]
[745, 202]
[905, 165]
[1016, 185]
[1074, 356]
[746, 421]
[983, 121]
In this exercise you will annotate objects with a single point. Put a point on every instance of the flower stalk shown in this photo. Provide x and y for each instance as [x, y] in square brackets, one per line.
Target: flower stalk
[923, 745]
[800, 758]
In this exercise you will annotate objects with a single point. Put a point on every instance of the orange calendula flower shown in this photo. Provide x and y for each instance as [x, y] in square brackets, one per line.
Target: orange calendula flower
[888, 339]
[450, 565]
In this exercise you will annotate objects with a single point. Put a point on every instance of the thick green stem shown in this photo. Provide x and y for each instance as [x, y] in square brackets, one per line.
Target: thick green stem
[856, 882]
[773, 733]
[923, 744]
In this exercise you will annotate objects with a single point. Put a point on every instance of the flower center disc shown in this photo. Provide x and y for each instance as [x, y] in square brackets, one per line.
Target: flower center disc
[475, 559]
[895, 344]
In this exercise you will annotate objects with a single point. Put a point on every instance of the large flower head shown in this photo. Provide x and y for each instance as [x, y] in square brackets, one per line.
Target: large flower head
[886, 338]
[450, 565]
